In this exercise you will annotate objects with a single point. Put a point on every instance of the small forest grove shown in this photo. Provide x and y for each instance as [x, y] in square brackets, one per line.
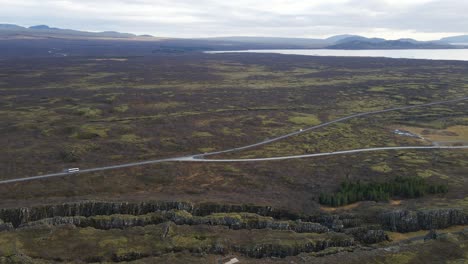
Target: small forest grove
[409, 187]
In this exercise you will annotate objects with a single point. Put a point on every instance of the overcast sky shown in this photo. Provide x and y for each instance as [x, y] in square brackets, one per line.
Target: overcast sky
[420, 19]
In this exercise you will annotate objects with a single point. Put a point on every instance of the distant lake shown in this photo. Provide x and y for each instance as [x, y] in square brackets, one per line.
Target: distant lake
[430, 54]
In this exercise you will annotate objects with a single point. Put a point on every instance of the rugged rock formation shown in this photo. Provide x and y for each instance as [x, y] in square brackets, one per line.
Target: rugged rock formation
[109, 215]
[100, 222]
[431, 235]
[283, 250]
[367, 234]
[308, 227]
[338, 222]
[232, 220]
[155, 240]
[18, 216]
[401, 221]
[246, 221]
[408, 221]
[5, 226]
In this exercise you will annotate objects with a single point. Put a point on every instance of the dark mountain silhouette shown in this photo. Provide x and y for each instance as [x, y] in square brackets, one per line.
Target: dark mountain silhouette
[409, 40]
[359, 44]
[335, 39]
[359, 38]
[299, 42]
[10, 27]
[456, 39]
[10, 31]
[43, 27]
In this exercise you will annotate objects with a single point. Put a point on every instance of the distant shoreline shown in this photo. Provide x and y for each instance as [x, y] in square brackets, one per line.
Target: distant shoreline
[421, 54]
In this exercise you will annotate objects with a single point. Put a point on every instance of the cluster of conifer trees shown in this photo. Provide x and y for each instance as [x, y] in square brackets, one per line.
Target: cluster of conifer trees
[404, 187]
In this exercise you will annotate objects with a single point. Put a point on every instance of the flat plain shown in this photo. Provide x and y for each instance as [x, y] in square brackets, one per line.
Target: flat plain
[58, 113]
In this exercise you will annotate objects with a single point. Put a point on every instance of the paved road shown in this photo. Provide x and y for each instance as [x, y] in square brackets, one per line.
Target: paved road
[113, 167]
[201, 157]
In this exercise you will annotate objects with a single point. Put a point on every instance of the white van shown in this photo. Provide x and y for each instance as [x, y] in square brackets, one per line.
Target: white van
[72, 170]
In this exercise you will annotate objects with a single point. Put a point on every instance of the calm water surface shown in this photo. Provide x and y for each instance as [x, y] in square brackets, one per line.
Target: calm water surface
[432, 54]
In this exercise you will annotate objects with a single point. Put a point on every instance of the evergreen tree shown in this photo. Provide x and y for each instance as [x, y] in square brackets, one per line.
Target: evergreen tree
[404, 187]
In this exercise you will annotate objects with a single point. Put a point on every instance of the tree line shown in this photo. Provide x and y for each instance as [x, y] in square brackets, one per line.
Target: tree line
[404, 187]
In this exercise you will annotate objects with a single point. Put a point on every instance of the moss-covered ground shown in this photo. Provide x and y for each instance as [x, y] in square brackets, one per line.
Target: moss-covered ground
[85, 112]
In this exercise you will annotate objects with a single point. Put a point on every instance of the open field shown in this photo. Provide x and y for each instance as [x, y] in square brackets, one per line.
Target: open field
[86, 112]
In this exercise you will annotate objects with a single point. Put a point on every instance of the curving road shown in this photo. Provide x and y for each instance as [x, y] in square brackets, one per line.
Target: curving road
[201, 157]
[341, 152]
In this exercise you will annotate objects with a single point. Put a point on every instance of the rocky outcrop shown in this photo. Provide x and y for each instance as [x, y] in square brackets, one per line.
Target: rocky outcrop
[100, 222]
[408, 221]
[431, 235]
[441, 218]
[401, 221]
[5, 226]
[210, 208]
[367, 234]
[74, 220]
[232, 220]
[105, 215]
[308, 227]
[246, 221]
[284, 250]
[338, 222]
[18, 216]
[108, 215]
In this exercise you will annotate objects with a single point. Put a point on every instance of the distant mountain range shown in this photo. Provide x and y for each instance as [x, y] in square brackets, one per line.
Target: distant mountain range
[463, 39]
[359, 43]
[298, 42]
[350, 42]
[42, 40]
[9, 31]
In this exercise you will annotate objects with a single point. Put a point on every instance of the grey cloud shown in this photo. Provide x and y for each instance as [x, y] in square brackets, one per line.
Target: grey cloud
[184, 18]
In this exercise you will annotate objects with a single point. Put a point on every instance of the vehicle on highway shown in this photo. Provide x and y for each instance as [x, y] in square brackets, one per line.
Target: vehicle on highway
[72, 170]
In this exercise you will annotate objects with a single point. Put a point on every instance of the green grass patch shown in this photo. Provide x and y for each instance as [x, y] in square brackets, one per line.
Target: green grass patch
[201, 134]
[377, 89]
[89, 112]
[91, 131]
[381, 167]
[121, 108]
[204, 150]
[304, 119]
[131, 138]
